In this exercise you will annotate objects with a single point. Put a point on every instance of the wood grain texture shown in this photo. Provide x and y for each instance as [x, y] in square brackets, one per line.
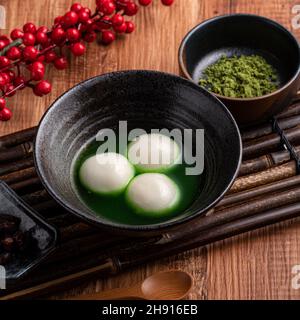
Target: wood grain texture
[257, 265]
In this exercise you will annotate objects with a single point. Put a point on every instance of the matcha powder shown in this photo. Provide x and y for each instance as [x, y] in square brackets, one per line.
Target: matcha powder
[240, 77]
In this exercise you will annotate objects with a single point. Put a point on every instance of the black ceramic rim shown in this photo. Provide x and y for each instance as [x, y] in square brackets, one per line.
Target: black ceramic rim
[229, 16]
[96, 220]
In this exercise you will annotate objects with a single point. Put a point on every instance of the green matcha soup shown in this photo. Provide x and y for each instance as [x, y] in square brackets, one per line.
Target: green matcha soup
[115, 206]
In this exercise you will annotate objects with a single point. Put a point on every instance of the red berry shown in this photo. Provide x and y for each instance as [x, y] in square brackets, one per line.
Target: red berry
[50, 56]
[87, 10]
[106, 7]
[167, 2]
[41, 58]
[37, 74]
[30, 53]
[90, 36]
[5, 114]
[78, 49]
[58, 20]
[10, 74]
[117, 19]
[41, 37]
[6, 77]
[58, 35]
[108, 37]
[91, 25]
[4, 62]
[70, 18]
[5, 39]
[42, 88]
[2, 44]
[83, 16]
[10, 88]
[144, 2]
[43, 29]
[131, 9]
[3, 80]
[61, 63]
[121, 29]
[82, 27]
[13, 53]
[28, 39]
[16, 34]
[29, 27]
[37, 65]
[73, 34]
[20, 80]
[76, 7]
[2, 103]
[129, 26]
[37, 70]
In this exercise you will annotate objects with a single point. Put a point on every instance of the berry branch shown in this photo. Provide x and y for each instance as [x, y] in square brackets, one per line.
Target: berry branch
[24, 55]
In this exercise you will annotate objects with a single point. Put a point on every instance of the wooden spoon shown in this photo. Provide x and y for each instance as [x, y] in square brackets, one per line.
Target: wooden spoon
[169, 285]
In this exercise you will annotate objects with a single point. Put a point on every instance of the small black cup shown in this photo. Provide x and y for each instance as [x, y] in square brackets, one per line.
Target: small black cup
[245, 34]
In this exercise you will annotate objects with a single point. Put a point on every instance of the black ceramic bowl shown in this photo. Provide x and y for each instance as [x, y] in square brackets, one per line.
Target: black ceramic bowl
[148, 100]
[245, 34]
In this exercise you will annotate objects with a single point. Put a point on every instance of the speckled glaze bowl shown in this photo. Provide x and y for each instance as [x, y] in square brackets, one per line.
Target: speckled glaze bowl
[245, 34]
[147, 100]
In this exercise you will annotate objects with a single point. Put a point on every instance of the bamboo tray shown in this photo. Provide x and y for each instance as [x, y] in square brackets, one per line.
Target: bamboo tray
[266, 192]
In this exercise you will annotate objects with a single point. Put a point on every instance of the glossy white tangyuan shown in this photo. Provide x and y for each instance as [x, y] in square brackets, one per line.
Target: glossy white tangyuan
[153, 152]
[153, 194]
[106, 173]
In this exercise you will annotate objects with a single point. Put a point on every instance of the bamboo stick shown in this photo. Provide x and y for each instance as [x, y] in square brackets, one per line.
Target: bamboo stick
[63, 220]
[265, 162]
[49, 208]
[264, 177]
[20, 151]
[269, 143]
[19, 176]
[284, 123]
[17, 138]
[255, 165]
[239, 211]
[292, 110]
[36, 197]
[16, 166]
[77, 230]
[28, 185]
[95, 242]
[236, 198]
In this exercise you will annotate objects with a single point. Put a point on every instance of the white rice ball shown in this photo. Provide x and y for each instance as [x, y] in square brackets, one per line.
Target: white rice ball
[106, 173]
[153, 152]
[153, 194]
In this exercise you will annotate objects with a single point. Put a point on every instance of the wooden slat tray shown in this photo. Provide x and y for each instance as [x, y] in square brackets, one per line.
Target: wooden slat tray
[266, 191]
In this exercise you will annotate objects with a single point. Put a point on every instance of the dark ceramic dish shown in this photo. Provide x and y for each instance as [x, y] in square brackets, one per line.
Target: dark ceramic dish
[245, 34]
[146, 99]
[44, 234]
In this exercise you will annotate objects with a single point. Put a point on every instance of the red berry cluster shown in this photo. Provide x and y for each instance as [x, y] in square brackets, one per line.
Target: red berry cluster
[24, 55]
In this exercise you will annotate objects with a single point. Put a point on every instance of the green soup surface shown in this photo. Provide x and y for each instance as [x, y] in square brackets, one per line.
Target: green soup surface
[116, 209]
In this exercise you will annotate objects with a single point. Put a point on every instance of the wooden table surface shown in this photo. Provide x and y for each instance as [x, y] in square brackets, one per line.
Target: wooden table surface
[256, 265]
